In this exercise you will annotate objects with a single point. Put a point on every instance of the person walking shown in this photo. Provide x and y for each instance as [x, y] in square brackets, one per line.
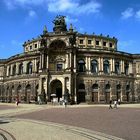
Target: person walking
[110, 104]
[119, 101]
[17, 101]
[115, 104]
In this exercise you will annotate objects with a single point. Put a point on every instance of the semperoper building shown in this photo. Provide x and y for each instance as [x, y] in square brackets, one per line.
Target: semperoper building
[86, 67]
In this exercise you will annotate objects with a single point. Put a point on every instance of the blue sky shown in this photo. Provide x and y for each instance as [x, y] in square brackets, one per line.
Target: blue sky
[21, 20]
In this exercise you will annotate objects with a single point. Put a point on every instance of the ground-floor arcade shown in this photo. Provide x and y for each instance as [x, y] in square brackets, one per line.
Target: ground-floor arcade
[80, 90]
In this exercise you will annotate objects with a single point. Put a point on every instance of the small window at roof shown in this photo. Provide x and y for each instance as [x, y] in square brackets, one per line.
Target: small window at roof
[97, 42]
[30, 47]
[89, 41]
[81, 41]
[110, 45]
[104, 43]
[35, 45]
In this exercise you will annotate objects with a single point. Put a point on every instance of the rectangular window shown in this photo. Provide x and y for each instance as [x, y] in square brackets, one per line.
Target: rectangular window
[59, 67]
[30, 47]
[104, 43]
[97, 42]
[89, 42]
[110, 45]
[81, 41]
[35, 45]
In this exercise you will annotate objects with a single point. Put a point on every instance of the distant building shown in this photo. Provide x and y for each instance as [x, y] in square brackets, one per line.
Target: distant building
[86, 66]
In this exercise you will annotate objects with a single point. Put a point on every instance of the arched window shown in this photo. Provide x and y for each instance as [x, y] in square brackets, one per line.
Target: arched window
[81, 66]
[81, 86]
[14, 70]
[29, 68]
[95, 87]
[107, 87]
[106, 66]
[118, 87]
[20, 69]
[117, 67]
[94, 66]
[126, 68]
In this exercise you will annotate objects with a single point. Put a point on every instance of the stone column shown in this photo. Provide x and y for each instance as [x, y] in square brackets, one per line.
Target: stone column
[47, 61]
[40, 85]
[7, 73]
[42, 60]
[40, 64]
[122, 66]
[12, 69]
[130, 68]
[17, 68]
[112, 65]
[75, 89]
[100, 64]
[67, 61]
[70, 60]
[35, 65]
[63, 87]
[25, 67]
[87, 69]
[74, 62]
[89, 62]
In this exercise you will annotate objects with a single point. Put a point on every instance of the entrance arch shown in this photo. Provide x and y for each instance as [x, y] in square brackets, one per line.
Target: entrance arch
[81, 93]
[56, 88]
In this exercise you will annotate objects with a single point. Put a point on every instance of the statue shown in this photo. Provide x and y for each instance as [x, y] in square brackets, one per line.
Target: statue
[59, 20]
[59, 23]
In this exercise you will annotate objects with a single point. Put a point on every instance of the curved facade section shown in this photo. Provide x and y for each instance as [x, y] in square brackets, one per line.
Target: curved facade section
[88, 68]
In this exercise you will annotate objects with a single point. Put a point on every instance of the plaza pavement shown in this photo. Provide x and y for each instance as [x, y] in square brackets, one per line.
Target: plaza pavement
[12, 128]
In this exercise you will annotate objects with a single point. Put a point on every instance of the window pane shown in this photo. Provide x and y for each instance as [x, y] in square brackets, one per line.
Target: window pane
[94, 66]
[59, 67]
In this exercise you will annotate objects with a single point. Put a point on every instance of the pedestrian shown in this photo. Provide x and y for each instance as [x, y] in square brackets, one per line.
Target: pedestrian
[115, 104]
[17, 101]
[65, 102]
[39, 100]
[119, 101]
[110, 104]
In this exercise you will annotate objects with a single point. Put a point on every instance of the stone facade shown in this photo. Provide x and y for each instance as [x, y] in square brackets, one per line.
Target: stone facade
[87, 67]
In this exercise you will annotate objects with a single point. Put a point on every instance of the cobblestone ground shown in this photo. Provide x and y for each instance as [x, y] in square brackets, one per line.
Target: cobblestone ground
[122, 122]
[4, 107]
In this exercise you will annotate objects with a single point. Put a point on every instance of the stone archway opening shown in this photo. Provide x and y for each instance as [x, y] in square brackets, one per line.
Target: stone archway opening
[56, 89]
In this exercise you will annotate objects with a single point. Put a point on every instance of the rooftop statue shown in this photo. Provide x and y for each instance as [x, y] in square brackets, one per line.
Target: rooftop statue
[60, 24]
[59, 20]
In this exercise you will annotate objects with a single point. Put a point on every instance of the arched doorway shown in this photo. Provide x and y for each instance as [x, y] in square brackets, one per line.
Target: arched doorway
[19, 95]
[107, 93]
[118, 91]
[81, 93]
[95, 93]
[28, 93]
[56, 89]
[127, 92]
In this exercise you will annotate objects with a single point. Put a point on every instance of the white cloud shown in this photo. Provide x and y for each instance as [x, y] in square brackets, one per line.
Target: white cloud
[71, 20]
[32, 14]
[11, 4]
[129, 12]
[68, 6]
[73, 7]
[61, 5]
[138, 15]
